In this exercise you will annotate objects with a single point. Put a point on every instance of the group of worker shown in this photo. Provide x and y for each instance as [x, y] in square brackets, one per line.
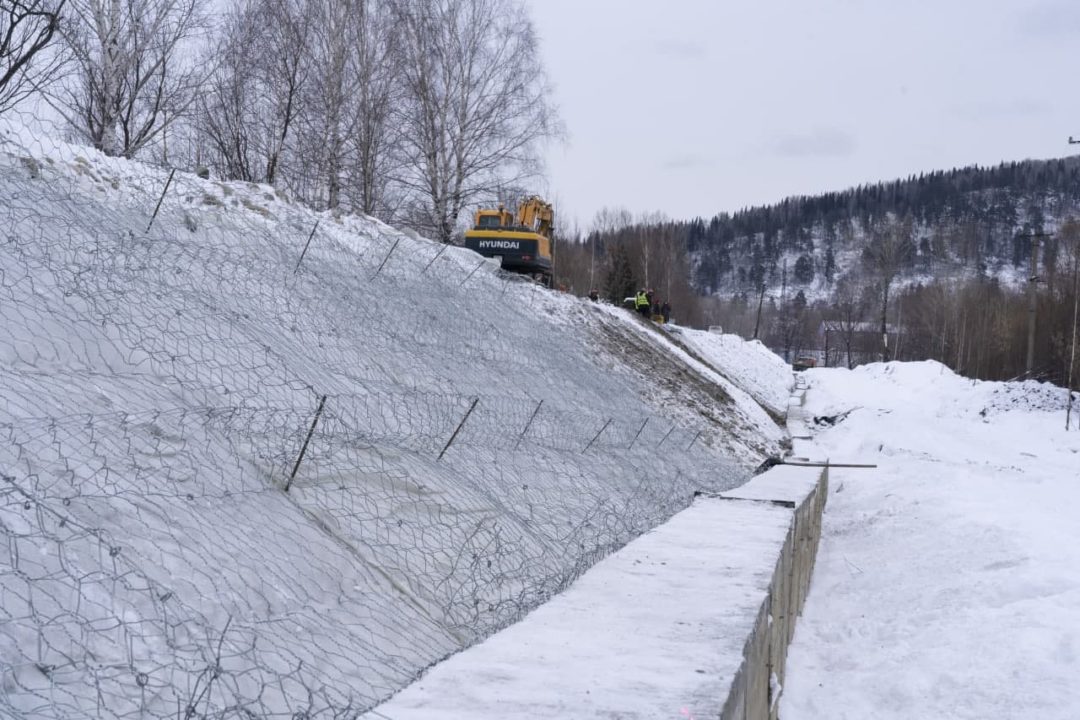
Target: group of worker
[643, 303]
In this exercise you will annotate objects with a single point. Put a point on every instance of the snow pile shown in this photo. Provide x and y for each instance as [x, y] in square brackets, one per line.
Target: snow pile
[1025, 397]
[750, 365]
[457, 445]
[946, 585]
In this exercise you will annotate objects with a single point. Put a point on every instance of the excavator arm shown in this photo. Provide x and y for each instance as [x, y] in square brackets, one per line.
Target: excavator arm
[537, 215]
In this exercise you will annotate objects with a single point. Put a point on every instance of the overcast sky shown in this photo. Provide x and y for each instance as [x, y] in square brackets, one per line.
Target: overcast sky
[693, 107]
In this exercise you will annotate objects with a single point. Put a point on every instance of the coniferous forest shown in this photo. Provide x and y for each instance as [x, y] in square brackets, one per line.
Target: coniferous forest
[934, 266]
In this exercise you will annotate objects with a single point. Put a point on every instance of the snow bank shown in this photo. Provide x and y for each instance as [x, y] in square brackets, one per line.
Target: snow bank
[750, 365]
[946, 585]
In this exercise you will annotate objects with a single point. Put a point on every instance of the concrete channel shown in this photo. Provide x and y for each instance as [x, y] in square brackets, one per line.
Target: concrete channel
[692, 619]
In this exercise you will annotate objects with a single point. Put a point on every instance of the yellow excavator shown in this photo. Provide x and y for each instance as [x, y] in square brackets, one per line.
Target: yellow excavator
[522, 239]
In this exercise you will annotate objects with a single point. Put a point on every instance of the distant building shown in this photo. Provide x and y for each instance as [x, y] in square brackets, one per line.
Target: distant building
[864, 338]
[829, 345]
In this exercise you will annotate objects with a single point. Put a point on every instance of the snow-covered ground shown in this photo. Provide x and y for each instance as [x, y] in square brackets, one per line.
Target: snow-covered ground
[946, 586]
[158, 383]
[767, 379]
[948, 581]
[157, 389]
[652, 631]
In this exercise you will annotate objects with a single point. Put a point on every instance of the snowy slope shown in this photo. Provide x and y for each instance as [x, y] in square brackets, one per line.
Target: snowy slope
[947, 582]
[751, 366]
[158, 388]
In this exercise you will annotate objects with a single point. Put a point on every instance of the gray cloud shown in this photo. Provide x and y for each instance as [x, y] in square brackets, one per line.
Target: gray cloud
[1022, 107]
[686, 161]
[780, 108]
[1051, 19]
[679, 49]
[819, 142]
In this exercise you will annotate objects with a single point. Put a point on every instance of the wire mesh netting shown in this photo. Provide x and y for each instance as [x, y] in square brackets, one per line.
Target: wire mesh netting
[237, 484]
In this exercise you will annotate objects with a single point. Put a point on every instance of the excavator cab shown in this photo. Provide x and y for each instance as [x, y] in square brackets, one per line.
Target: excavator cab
[493, 219]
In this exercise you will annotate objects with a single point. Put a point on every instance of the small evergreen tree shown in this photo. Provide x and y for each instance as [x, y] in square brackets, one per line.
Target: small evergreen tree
[619, 281]
[804, 270]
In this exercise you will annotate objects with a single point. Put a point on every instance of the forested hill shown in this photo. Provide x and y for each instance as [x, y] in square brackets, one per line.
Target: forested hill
[965, 222]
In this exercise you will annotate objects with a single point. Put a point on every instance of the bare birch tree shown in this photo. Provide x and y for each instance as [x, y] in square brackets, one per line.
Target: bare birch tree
[647, 241]
[476, 103]
[27, 28]
[371, 144]
[890, 249]
[135, 69]
[254, 99]
[349, 103]
[328, 124]
[231, 103]
[605, 223]
[849, 309]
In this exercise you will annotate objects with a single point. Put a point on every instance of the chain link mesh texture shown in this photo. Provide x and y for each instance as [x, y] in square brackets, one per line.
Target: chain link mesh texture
[158, 386]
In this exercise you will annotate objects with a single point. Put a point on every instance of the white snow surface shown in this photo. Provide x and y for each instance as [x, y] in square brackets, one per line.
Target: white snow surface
[157, 387]
[768, 380]
[946, 585]
[948, 580]
[656, 630]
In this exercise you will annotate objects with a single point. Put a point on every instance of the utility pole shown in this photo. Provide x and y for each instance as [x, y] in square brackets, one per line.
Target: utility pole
[1033, 298]
[760, 300]
[783, 286]
[785, 316]
[1076, 312]
[1033, 303]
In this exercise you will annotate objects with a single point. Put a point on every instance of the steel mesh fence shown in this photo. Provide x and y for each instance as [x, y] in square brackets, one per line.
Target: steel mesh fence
[182, 535]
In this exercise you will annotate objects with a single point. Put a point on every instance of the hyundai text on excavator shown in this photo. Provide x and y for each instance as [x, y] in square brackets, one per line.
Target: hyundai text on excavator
[522, 239]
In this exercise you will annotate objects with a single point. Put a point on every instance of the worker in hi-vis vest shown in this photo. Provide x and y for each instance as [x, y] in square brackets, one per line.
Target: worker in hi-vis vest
[641, 302]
